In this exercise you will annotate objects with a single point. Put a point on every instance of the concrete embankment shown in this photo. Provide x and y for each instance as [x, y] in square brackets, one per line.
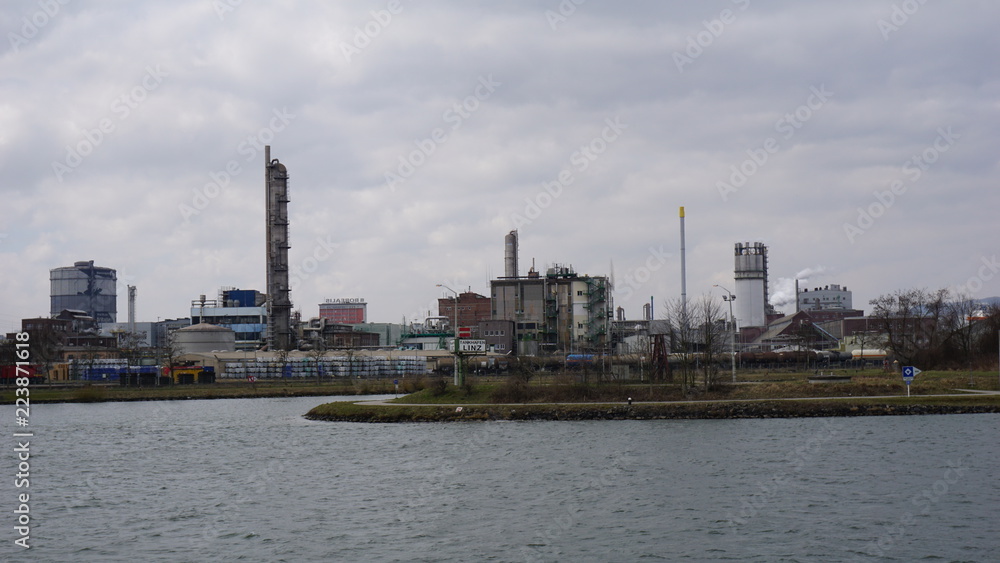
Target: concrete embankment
[349, 412]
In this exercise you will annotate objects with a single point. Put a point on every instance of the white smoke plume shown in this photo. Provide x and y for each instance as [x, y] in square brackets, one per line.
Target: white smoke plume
[782, 292]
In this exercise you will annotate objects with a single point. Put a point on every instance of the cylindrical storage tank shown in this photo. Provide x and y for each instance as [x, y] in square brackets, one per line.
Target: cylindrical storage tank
[751, 284]
[204, 338]
[85, 287]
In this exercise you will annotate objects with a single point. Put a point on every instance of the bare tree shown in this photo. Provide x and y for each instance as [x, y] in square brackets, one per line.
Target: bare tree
[281, 357]
[682, 340]
[865, 338]
[909, 322]
[963, 329]
[171, 351]
[988, 339]
[316, 354]
[712, 336]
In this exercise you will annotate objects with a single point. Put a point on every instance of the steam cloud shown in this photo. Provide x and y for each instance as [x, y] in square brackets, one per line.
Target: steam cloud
[783, 290]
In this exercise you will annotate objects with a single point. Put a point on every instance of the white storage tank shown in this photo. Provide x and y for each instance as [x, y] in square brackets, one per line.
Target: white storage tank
[204, 338]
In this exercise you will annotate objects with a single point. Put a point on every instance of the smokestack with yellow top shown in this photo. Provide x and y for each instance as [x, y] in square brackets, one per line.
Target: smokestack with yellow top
[683, 275]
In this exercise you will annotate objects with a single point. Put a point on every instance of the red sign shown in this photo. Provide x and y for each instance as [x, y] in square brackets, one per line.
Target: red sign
[464, 332]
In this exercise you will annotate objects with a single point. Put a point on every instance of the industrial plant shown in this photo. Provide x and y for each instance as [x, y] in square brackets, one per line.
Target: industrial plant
[554, 313]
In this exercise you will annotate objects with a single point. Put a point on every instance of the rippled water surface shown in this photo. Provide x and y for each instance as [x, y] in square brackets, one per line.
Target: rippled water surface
[251, 480]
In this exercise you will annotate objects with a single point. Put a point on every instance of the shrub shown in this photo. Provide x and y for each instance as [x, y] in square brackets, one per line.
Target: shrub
[514, 390]
[438, 387]
[413, 384]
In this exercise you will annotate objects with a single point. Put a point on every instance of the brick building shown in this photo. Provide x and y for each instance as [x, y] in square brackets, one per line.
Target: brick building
[472, 309]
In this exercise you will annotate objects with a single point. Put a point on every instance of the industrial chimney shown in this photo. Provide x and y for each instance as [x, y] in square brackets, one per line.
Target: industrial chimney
[510, 255]
[279, 302]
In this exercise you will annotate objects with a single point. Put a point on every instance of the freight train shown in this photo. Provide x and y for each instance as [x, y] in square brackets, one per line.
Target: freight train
[9, 374]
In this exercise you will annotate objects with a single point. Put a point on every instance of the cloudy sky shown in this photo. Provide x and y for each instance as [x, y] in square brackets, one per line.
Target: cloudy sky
[857, 139]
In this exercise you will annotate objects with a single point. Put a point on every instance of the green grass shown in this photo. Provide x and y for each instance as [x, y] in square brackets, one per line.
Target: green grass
[222, 390]
[540, 389]
[562, 389]
[478, 393]
[546, 398]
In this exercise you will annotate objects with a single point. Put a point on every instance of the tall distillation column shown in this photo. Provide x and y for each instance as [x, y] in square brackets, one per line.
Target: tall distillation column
[279, 302]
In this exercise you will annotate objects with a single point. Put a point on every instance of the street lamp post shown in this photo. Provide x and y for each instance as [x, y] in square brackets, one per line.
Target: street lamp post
[454, 328]
[729, 297]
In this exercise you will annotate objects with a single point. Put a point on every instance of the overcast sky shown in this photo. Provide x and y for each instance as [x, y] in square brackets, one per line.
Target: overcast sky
[857, 139]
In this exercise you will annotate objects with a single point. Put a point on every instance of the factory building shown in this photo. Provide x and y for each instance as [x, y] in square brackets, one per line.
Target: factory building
[344, 311]
[85, 287]
[326, 334]
[241, 310]
[498, 334]
[828, 307]
[472, 310]
[389, 334]
[826, 298]
[142, 332]
[559, 312]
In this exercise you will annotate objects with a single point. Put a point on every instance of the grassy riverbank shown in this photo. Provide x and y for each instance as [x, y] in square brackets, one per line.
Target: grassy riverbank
[223, 390]
[351, 412]
[771, 395]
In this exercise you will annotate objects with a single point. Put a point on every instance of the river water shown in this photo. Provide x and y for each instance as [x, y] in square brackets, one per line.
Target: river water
[251, 480]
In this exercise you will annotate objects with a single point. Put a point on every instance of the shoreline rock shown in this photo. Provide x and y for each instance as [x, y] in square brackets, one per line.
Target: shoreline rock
[785, 409]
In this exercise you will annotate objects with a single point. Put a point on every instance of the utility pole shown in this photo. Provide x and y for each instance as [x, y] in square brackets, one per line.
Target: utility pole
[730, 297]
[459, 379]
